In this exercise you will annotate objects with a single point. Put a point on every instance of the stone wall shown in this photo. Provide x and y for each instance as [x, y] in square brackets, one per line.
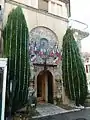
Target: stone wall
[57, 24]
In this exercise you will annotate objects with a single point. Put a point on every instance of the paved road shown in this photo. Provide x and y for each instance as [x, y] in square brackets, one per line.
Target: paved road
[77, 115]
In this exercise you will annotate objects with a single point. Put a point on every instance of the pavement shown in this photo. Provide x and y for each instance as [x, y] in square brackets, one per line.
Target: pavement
[49, 109]
[52, 112]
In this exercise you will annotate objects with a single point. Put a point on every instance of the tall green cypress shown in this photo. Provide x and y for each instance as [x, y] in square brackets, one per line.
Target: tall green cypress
[73, 72]
[15, 44]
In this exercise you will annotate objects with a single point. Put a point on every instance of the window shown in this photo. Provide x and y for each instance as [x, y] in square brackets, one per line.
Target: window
[59, 9]
[0, 7]
[68, 9]
[86, 68]
[0, 12]
[43, 4]
[55, 7]
[32, 3]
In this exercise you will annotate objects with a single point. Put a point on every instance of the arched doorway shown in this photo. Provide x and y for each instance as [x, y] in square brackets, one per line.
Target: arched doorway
[45, 87]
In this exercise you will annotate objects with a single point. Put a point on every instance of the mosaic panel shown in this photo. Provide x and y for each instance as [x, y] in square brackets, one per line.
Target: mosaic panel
[43, 46]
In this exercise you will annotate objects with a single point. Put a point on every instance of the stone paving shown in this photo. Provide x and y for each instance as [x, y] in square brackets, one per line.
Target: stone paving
[83, 114]
[49, 109]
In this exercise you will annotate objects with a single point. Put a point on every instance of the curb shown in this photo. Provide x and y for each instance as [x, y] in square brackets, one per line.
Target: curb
[64, 112]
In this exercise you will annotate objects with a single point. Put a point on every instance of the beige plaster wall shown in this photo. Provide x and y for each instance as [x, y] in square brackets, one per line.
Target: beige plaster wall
[35, 18]
[42, 4]
[1, 2]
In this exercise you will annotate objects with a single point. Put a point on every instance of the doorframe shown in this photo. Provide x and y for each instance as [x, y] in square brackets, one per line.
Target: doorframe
[42, 77]
[51, 85]
[46, 86]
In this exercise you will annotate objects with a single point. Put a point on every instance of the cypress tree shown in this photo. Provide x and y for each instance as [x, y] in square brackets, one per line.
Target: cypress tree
[73, 72]
[15, 44]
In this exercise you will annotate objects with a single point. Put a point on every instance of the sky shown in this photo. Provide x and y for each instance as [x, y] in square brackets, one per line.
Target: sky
[80, 11]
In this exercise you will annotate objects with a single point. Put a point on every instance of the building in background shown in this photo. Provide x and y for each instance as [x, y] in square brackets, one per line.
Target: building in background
[79, 36]
[86, 60]
[79, 30]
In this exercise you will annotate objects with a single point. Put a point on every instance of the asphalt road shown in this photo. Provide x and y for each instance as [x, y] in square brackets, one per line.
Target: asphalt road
[77, 115]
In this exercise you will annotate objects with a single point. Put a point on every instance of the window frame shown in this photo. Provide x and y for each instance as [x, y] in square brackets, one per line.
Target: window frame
[34, 6]
[56, 2]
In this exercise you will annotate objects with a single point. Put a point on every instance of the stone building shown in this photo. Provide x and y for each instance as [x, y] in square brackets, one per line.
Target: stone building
[47, 22]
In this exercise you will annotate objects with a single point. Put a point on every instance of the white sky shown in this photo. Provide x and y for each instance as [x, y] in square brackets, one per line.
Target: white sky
[80, 10]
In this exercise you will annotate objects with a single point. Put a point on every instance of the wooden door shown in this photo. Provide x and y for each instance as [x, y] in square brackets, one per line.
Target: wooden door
[50, 88]
[41, 88]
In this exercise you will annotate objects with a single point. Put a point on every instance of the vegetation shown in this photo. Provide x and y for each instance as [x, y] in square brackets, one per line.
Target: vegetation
[73, 71]
[15, 44]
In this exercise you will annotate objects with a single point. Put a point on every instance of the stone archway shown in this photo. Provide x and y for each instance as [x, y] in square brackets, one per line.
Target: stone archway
[45, 54]
[45, 87]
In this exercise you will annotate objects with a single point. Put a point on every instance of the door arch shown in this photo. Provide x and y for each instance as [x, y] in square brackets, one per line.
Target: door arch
[45, 87]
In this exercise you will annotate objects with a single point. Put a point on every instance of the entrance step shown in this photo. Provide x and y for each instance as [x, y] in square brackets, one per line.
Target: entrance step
[49, 109]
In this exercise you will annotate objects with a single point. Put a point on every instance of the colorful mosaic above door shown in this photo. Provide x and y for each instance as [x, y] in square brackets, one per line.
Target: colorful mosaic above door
[44, 46]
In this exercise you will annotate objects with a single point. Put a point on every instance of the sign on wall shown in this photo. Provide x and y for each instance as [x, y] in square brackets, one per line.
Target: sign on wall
[3, 74]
